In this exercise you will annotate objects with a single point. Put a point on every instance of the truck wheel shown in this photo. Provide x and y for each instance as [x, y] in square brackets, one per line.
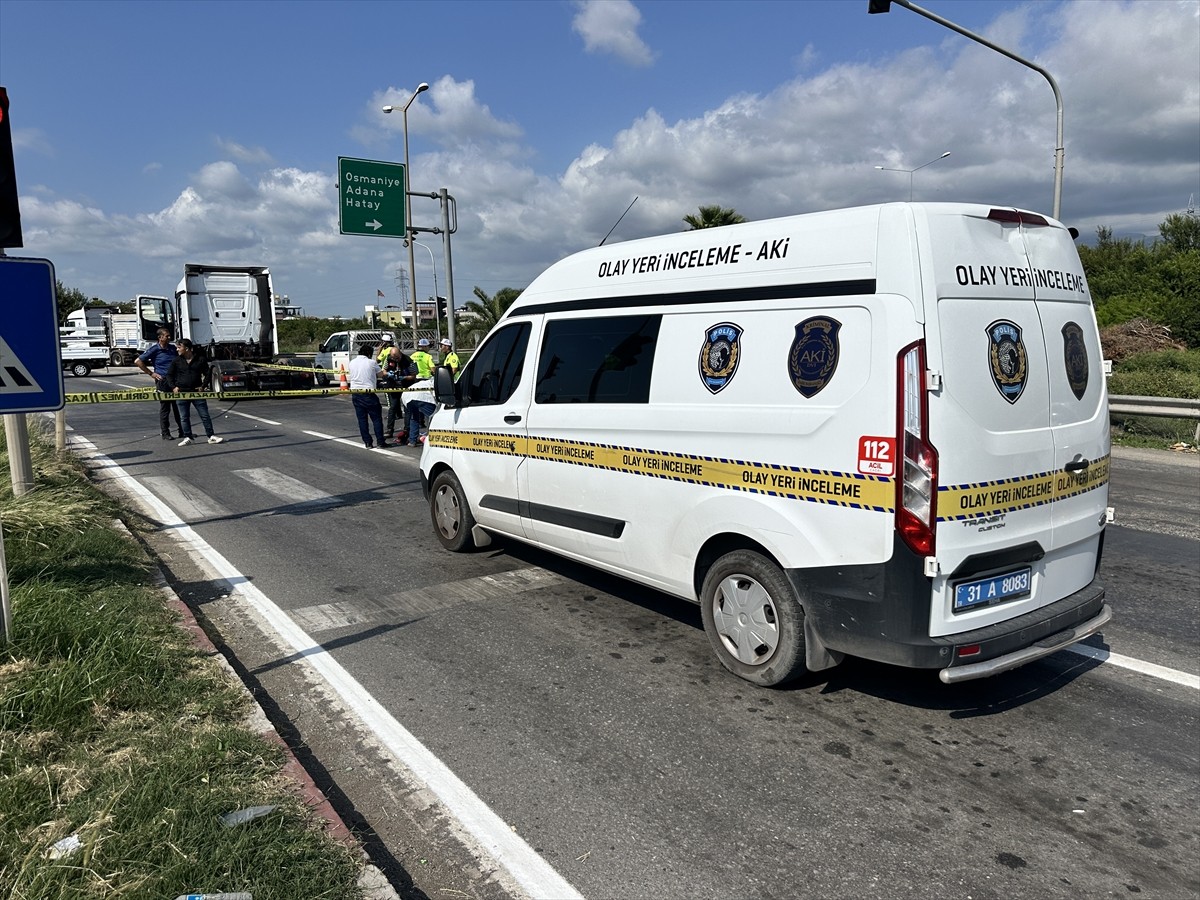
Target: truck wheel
[753, 618]
[323, 380]
[80, 369]
[117, 358]
[452, 519]
[217, 383]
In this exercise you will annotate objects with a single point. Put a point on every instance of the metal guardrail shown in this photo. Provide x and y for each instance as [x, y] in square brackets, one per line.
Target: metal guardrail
[1165, 407]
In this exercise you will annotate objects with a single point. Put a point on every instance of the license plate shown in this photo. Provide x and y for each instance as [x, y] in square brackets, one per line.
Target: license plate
[996, 589]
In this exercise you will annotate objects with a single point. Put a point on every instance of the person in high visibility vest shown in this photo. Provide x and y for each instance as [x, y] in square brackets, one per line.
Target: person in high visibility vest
[449, 357]
[423, 360]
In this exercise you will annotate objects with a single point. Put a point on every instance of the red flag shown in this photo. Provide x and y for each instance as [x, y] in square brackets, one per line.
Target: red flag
[380, 293]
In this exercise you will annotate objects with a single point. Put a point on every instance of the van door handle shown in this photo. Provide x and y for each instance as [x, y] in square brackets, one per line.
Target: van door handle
[1076, 465]
[512, 419]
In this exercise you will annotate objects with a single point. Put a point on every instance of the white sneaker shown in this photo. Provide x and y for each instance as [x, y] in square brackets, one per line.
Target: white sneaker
[185, 442]
[213, 439]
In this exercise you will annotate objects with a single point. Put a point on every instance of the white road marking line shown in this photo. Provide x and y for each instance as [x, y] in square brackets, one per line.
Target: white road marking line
[536, 876]
[234, 412]
[192, 503]
[424, 602]
[1136, 665]
[352, 443]
[291, 490]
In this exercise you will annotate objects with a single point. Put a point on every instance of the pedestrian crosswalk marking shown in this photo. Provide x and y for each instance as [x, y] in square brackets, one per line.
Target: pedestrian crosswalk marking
[14, 376]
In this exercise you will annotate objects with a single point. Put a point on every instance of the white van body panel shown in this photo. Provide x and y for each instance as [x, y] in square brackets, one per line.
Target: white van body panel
[769, 451]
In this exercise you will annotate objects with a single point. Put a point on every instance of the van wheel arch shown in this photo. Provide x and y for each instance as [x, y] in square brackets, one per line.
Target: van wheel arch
[453, 521]
[752, 614]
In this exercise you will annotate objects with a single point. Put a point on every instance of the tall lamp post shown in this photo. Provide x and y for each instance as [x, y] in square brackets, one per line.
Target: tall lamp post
[436, 318]
[910, 172]
[883, 6]
[408, 206]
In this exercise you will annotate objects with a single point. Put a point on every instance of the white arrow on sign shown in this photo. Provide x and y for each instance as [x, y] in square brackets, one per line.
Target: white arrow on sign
[374, 224]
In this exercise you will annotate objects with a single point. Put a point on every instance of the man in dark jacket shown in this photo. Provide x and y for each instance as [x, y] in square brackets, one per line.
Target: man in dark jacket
[189, 373]
[160, 356]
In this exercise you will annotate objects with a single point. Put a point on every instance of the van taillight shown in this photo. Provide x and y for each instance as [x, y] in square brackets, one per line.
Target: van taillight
[916, 488]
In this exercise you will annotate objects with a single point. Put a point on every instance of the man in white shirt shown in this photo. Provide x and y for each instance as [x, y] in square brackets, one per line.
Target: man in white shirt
[364, 378]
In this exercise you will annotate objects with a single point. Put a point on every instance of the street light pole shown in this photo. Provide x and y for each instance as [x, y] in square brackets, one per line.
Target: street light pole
[910, 172]
[408, 206]
[436, 320]
[882, 6]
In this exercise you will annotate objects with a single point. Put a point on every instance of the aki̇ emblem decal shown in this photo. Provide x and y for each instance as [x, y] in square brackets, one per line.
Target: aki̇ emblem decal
[1008, 359]
[814, 354]
[1076, 357]
[720, 355]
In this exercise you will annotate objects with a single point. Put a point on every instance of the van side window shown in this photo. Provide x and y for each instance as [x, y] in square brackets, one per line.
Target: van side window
[597, 360]
[495, 368]
[339, 343]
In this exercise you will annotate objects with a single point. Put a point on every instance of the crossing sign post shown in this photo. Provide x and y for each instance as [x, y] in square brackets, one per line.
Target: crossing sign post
[30, 365]
[371, 197]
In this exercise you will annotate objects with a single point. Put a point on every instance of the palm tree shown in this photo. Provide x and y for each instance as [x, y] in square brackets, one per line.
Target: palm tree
[484, 312]
[713, 217]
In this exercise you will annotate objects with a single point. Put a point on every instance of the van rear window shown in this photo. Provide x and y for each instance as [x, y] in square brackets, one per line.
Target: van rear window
[597, 360]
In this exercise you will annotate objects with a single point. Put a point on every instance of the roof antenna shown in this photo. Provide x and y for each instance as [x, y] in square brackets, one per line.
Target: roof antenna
[618, 222]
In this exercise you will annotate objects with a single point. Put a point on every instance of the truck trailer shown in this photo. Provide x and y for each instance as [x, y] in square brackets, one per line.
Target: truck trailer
[229, 312]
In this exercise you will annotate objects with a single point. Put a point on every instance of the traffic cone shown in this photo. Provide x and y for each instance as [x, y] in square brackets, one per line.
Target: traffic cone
[345, 384]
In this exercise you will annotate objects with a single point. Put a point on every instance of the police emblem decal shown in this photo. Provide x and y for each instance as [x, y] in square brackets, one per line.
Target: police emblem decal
[720, 355]
[814, 354]
[1075, 356]
[1008, 359]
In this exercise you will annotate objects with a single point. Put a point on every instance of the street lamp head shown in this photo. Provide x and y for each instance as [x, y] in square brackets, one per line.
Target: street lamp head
[422, 87]
[944, 155]
[388, 108]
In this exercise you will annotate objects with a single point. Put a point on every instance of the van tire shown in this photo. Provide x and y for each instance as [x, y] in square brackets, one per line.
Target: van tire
[452, 518]
[81, 369]
[323, 380]
[753, 618]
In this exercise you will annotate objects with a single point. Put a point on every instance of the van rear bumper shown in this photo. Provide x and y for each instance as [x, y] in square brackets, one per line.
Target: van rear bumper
[882, 613]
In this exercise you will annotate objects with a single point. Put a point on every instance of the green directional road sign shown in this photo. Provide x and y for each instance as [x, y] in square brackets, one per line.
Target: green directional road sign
[371, 197]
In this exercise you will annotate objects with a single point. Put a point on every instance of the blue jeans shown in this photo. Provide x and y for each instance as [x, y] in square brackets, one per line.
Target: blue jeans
[367, 405]
[418, 412]
[185, 417]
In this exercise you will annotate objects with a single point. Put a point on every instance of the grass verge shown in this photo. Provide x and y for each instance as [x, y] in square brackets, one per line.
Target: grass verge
[116, 730]
[1164, 373]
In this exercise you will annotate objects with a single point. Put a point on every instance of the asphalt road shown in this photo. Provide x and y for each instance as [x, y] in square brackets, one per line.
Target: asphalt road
[591, 717]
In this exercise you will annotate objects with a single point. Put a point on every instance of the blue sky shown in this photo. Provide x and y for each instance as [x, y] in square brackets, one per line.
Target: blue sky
[150, 134]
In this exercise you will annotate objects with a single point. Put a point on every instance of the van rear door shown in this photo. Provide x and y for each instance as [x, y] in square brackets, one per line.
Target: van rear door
[1016, 413]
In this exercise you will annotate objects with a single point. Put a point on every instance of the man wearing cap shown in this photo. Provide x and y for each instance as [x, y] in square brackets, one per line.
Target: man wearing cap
[449, 357]
[423, 360]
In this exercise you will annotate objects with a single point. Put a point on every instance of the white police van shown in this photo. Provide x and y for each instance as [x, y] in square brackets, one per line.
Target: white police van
[878, 431]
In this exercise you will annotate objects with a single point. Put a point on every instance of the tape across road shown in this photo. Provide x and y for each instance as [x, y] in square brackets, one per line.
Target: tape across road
[151, 394]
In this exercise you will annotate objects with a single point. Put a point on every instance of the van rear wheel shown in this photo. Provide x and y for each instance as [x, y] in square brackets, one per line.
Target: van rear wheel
[452, 518]
[753, 618]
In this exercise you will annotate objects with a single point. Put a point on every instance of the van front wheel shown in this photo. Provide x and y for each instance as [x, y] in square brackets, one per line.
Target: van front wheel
[753, 618]
[452, 519]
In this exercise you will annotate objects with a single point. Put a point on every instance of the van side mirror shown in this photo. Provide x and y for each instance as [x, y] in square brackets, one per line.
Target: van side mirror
[444, 387]
[321, 348]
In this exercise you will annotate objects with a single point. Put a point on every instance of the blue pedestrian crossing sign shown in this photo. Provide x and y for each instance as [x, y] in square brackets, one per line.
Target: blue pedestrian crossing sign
[30, 366]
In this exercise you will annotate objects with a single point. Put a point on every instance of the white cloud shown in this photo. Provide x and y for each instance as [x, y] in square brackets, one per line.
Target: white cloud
[257, 155]
[610, 26]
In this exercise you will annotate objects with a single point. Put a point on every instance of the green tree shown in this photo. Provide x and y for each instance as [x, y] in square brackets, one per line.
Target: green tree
[69, 300]
[1180, 232]
[713, 217]
[1159, 282]
[482, 313]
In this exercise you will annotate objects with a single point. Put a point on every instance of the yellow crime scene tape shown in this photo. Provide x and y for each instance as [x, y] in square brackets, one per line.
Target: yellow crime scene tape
[143, 394]
[848, 489]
